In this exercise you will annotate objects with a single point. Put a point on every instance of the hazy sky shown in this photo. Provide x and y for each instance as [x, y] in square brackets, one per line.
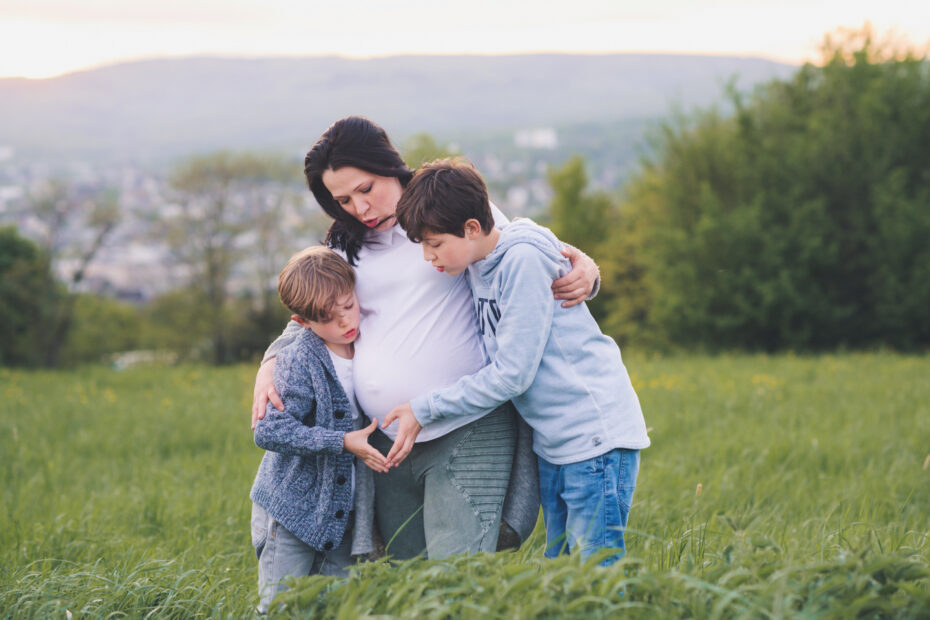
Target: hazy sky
[41, 38]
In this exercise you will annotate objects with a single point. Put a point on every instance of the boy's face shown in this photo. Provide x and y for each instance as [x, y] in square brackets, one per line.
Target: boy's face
[342, 325]
[449, 253]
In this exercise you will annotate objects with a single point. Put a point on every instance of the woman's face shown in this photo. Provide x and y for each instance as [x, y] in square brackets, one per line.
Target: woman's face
[370, 199]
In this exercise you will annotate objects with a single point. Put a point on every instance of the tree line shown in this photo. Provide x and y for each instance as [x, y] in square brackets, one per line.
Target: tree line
[230, 221]
[795, 219]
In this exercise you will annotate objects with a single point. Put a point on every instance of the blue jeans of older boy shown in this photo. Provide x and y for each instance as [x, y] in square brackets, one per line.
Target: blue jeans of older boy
[586, 505]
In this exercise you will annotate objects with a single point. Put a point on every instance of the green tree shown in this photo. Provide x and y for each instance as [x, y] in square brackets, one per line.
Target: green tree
[798, 221]
[181, 322]
[234, 225]
[422, 147]
[584, 219]
[576, 215]
[78, 223]
[103, 326]
[27, 294]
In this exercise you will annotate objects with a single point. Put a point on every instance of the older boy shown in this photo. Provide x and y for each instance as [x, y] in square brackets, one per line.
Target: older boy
[564, 376]
[307, 492]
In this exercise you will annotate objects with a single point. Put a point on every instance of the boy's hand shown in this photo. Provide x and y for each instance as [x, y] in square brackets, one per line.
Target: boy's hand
[576, 286]
[407, 430]
[356, 442]
[264, 391]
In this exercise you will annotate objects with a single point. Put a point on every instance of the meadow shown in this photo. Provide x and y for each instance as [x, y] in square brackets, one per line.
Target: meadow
[786, 486]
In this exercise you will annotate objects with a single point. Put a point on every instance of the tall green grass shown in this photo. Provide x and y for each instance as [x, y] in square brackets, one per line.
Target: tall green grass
[775, 487]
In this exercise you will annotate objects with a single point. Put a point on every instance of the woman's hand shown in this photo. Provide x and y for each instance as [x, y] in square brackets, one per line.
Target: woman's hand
[407, 430]
[356, 442]
[264, 392]
[576, 286]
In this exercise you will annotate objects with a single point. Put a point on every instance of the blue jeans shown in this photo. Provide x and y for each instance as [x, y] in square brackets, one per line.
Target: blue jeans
[586, 505]
[282, 555]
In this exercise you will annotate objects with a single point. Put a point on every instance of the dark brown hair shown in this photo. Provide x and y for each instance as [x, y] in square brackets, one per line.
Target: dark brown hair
[360, 143]
[441, 197]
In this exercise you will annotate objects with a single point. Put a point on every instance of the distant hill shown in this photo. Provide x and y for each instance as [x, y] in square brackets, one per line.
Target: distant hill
[163, 109]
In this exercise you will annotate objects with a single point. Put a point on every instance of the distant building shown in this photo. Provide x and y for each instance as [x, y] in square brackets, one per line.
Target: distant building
[539, 138]
[517, 199]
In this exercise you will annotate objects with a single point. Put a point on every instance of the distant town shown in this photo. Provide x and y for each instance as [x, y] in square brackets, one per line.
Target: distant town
[135, 265]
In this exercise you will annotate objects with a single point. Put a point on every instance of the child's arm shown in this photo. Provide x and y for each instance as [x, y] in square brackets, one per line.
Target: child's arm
[286, 431]
[521, 334]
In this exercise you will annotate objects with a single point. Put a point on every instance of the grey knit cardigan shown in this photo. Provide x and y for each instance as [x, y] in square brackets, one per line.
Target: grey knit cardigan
[521, 504]
[304, 480]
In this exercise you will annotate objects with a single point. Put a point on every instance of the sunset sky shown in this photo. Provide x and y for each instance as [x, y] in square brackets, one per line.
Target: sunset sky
[42, 38]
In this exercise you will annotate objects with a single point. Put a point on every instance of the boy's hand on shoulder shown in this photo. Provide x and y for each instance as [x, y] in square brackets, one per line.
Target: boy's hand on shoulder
[407, 430]
[356, 442]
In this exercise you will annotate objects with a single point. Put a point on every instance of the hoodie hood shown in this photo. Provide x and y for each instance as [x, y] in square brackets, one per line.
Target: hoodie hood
[523, 230]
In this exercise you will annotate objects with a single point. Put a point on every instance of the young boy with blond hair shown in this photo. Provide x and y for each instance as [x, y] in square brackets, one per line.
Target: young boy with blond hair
[312, 509]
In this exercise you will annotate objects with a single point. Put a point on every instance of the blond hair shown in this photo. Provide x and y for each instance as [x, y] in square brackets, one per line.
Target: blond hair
[313, 280]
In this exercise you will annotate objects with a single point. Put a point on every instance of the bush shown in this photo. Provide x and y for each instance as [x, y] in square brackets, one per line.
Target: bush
[798, 222]
[27, 297]
[103, 326]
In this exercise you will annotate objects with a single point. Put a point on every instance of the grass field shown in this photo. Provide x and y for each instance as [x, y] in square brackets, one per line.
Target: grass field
[775, 487]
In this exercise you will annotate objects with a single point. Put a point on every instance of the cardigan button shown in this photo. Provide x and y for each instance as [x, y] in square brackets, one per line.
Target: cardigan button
[340, 514]
[339, 415]
[341, 480]
[328, 545]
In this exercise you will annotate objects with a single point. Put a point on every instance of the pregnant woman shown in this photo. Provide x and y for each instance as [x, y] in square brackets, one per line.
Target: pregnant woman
[418, 333]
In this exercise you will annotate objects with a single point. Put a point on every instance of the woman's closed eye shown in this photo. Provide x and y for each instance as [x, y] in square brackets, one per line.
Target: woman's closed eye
[344, 200]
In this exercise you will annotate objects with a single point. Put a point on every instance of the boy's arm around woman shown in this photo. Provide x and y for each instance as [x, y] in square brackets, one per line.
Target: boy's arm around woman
[297, 431]
[294, 431]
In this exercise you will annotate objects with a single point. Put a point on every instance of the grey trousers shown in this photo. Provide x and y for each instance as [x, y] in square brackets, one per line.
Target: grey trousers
[282, 555]
[446, 497]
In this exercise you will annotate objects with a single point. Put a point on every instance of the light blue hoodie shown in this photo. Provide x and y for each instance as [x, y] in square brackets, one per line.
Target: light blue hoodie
[564, 376]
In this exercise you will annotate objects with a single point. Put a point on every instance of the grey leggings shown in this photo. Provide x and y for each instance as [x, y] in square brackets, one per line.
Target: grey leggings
[446, 496]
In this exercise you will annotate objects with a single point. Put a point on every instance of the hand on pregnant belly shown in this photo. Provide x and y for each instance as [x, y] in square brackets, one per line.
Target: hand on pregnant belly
[356, 442]
[407, 430]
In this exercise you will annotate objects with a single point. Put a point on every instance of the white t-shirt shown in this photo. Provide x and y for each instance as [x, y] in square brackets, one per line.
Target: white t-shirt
[343, 368]
[418, 330]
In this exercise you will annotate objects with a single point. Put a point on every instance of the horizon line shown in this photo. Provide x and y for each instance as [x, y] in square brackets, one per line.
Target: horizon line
[276, 56]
